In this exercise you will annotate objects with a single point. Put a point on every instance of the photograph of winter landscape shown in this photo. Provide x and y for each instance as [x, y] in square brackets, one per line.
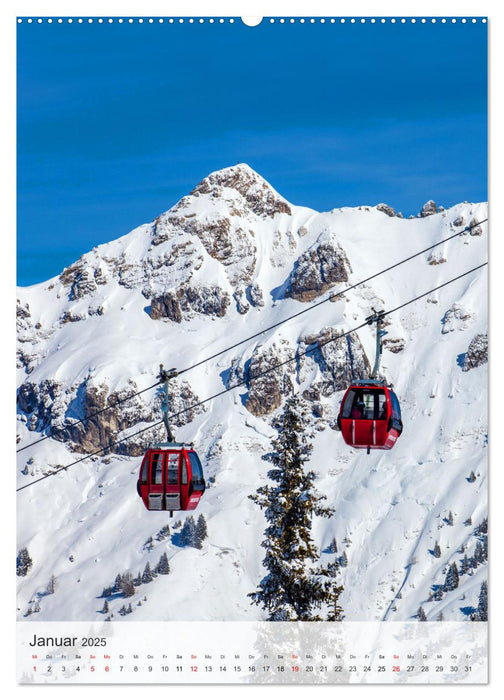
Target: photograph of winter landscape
[252, 320]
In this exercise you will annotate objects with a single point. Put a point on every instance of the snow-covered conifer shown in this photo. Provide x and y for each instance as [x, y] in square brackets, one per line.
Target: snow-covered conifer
[147, 574]
[51, 586]
[293, 587]
[422, 617]
[128, 587]
[452, 578]
[201, 531]
[188, 533]
[437, 550]
[465, 565]
[23, 562]
[163, 566]
[483, 603]
[333, 547]
[163, 533]
[479, 555]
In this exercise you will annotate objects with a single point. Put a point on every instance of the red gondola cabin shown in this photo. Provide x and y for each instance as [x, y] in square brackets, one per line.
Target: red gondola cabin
[171, 478]
[370, 416]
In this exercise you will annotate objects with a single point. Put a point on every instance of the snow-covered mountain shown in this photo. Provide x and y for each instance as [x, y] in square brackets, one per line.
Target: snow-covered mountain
[227, 261]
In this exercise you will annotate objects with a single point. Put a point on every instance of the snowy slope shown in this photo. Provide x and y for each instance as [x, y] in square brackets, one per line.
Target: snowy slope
[236, 246]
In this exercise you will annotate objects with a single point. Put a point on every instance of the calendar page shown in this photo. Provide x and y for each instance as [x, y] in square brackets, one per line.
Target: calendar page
[252, 349]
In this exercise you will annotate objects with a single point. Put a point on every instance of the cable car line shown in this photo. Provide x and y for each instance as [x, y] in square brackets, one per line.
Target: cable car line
[331, 297]
[251, 378]
[265, 330]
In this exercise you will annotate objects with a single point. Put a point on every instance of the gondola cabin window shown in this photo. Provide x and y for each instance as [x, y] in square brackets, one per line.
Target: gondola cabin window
[157, 468]
[172, 468]
[196, 468]
[367, 404]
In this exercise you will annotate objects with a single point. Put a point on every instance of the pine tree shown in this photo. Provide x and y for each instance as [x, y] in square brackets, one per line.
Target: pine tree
[440, 617]
[449, 520]
[479, 555]
[118, 583]
[51, 586]
[437, 550]
[105, 608]
[23, 562]
[163, 566]
[147, 574]
[485, 548]
[128, 586]
[465, 566]
[452, 578]
[163, 533]
[201, 531]
[293, 588]
[483, 603]
[188, 533]
[472, 477]
[333, 547]
[343, 560]
[482, 528]
[422, 617]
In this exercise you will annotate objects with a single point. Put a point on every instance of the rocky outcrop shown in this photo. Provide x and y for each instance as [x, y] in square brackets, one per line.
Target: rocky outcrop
[41, 403]
[29, 335]
[337, 362]
[477, 352]
[326, 360]
[255, 295]
[82, 279]
[436, 258]
[60, 412]
[389, 211]
[317, 270]
[267, 387]
[258, 196]
[428, 209]
[456, 318]
[474, 228]
[394, 345]
[183, 303]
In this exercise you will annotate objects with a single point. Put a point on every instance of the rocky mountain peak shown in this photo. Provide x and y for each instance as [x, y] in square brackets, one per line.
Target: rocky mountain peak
[260, 197]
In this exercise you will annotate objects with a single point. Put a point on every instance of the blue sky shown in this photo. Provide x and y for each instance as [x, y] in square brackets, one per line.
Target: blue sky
[116, 122]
